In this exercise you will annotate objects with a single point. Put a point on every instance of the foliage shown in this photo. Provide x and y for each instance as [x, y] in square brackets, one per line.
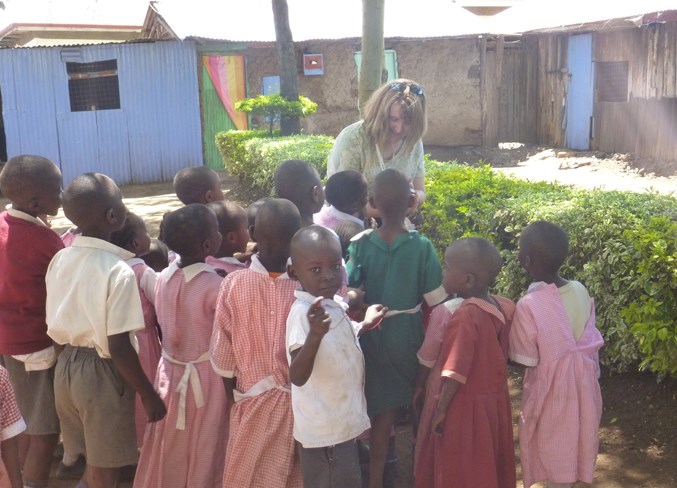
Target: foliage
[253, 158]
[231, 145]
[273, 107]
[623, 247]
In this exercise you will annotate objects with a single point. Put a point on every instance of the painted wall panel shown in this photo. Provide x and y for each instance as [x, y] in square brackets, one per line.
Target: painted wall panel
[580, 92]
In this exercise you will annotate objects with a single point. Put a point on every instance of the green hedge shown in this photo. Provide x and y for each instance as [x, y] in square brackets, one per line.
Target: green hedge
[254, 155]
[623, 247]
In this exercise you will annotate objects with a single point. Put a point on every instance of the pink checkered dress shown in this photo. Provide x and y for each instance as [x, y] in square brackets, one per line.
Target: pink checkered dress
[249, 343]
[561, 397]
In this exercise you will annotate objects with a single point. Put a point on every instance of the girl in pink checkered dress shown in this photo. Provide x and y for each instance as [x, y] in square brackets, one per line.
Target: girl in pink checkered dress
[554, 335]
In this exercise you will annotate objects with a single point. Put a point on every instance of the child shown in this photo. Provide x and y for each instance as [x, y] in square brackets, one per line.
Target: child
[346, 230]
[69, 236]
[187, 447]
[248, 350]
[157, 257]
[465, 432]
[33, 186]
[234, 228]
[299, 182]
[326, 363]
[399, 269]
[11, 425]
[346, 194]
[554, 335]
[93, 307]
[134, 238]
[198, 184]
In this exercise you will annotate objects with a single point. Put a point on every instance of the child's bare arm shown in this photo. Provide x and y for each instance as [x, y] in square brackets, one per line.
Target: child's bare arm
[449, 388]
[372, 318]
[303, 359]
[127, 363]
[419, 389]
[10, 457]
[229, 385]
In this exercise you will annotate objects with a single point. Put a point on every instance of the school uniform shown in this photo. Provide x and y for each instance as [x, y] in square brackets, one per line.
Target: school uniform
[91, 295]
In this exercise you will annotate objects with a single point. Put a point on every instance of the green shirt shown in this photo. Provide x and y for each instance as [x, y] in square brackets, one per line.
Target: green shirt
[400, 276]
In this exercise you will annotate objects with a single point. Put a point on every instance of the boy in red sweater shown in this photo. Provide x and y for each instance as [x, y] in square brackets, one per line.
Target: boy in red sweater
[27, 245]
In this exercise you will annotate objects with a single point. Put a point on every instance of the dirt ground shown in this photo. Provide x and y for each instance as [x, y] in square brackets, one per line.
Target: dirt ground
[638, 445]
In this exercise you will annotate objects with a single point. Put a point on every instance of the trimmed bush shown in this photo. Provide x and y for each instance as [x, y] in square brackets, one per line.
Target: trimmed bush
[623, 247]
[254, 158]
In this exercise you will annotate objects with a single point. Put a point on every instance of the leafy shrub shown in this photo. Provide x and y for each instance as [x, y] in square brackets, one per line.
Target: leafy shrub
[623, 247]
[231, 145]
[254, 158]
[275, 106]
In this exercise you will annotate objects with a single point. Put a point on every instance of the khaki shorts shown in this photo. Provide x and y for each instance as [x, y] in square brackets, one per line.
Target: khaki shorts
[96, 409]
[34, 392]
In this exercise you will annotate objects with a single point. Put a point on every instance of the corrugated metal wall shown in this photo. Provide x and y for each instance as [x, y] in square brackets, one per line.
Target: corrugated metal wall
[155, 133]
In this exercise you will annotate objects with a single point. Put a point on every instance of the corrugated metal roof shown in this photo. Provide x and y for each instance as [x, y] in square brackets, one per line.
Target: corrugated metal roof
[551, 15]
[74, 12]
[252, 20]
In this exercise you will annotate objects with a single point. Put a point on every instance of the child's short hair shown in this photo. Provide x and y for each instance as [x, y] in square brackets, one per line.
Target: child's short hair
[229, 215]
[391, 192]
[253, 209]
[124, 237]
[346, 191]
[24, 175]
[314, 233]
[191, 184]
[346, 230]
[277, 219]
[87, 199]
[157, 257]
[546, 242]
[294, 180]
[187, 228]
[479, 256]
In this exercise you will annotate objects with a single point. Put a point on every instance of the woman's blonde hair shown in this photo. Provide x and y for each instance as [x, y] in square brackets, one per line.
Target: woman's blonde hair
[410, 96]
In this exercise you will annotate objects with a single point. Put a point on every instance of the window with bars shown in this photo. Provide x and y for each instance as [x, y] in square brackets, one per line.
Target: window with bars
[612, 81]
[93, 86]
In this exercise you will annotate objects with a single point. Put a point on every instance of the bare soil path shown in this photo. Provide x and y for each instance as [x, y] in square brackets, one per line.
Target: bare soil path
[638, 446]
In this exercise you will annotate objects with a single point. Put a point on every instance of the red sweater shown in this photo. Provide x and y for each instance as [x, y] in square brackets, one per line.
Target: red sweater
[26, 249]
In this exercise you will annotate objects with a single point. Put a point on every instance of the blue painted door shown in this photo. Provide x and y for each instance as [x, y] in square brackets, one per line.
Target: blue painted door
[579, 92]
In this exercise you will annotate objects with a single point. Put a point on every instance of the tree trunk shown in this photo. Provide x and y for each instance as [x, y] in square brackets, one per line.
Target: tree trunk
[286, 59]
[371, 66]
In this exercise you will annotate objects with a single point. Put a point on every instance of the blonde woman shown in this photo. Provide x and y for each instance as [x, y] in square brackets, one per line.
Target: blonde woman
[389, 136]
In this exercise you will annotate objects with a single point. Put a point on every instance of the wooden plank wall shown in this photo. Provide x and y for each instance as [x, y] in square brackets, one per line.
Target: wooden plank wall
[646, 124]
[518, 94]
[552, 80]
[508, 85]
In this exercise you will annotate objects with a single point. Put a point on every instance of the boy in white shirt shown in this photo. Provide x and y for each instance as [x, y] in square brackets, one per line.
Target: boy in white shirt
[326, 363]
[93, 308]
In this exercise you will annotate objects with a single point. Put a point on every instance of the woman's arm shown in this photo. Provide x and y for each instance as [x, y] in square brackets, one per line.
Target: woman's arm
[419, 187]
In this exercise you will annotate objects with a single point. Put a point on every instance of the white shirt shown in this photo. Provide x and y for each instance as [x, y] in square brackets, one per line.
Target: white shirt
[330, 408]
[92, 294]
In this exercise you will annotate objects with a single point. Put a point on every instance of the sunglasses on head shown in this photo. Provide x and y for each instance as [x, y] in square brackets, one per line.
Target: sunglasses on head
[401, 87]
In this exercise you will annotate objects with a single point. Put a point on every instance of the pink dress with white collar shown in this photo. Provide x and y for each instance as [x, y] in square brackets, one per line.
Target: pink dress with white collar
[150, 349]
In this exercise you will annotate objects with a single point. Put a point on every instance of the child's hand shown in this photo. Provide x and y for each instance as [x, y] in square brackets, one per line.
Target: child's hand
[318, 318]
[372, 318]
[355, 299]
[154, 407]
[374, 315]
[438, 423]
